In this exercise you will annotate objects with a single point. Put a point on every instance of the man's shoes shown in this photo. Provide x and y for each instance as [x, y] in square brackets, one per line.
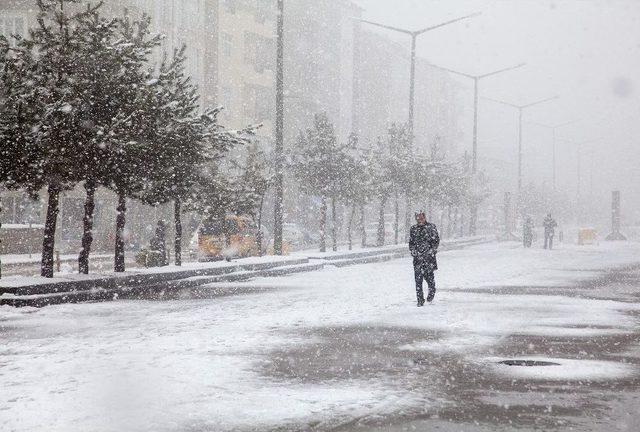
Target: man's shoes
[420, 303]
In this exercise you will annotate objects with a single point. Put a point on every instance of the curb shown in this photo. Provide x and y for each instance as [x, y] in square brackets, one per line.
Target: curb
[189, 283]
[115, 281]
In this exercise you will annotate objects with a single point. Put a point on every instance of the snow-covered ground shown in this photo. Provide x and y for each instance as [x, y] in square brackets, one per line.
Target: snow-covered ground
[8, 259]
[196, 365]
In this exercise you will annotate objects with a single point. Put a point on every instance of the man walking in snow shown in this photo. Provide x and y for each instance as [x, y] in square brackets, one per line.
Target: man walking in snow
[423, 244]
[549, 231]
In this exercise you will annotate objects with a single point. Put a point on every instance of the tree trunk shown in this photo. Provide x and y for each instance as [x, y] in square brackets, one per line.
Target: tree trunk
[323, 224]
[48, 243]
[397, 220]
[461, 222]
[259, 233]
[380, 239]
[454, 227]
[363, 226]
[118, 265]
[407, 218]
[0, 238]
[334, 238]
[87, 226]
[350, 226]
[178, 232]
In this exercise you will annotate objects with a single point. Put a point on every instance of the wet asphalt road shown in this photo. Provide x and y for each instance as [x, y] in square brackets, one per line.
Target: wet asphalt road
[478, 400]
[301, 344]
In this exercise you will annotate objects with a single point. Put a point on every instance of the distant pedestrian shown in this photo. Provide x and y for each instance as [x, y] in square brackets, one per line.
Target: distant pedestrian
[550, 225]
[423, 244]
[527, 232]
[158, 246]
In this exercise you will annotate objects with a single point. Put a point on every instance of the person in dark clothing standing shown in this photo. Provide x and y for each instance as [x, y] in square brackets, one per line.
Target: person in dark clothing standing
[527, 232]
[549, 231]
[158, 247]
[423, 244]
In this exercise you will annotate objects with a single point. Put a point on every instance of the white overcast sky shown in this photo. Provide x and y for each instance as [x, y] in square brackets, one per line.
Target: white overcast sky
[585, 51]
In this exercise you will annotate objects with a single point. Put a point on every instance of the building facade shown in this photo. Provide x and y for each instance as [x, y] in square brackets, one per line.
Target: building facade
[319, 63]
[359, 77]
[246, 64]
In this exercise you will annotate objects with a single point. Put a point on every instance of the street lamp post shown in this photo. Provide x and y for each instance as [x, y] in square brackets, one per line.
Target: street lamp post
[554, 128]
[474, 164]
[279, 145]
[476, 79]
[521, 109]
[579, 145]
[412, 76]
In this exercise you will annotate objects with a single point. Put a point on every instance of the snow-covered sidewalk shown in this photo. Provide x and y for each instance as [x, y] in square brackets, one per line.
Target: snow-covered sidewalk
[100, 285]
[259, 360]
[34, 258]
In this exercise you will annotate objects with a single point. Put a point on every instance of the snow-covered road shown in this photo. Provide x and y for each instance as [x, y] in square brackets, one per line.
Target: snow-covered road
[330, 349]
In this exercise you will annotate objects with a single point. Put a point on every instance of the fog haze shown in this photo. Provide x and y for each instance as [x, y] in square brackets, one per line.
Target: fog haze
[586, 52]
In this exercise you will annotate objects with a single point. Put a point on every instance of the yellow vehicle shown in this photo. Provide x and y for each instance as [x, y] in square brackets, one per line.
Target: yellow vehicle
[587, 236]
[236, 237]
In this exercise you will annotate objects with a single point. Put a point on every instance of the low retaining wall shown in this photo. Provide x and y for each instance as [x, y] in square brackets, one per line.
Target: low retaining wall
[113, 281]
[175, 283]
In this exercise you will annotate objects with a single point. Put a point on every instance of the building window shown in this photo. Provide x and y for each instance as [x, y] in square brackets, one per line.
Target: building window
[10, 26]
[264, 11]
[265, 54]
[227, 44]
[259, 51]
[258, 103]
[226, 98]
[249, 47]
[231, 6]
[265, 104]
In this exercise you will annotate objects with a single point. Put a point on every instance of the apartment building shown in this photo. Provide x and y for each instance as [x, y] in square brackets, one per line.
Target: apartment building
[247, 63]
[381, 89]
[192, 23]
[230, 53]
[319, 63]
[357, 76]
[381, 94]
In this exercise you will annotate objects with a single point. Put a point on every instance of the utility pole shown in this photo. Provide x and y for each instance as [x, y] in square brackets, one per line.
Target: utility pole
[579, 180]
[0, 237]
[579, 145]
[474, 164]
[521, 109]
[412, 76]
[279, 145]
[554, 128]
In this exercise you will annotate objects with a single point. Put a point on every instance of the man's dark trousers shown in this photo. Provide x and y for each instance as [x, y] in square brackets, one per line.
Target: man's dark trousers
[548, 241]
[421, 273]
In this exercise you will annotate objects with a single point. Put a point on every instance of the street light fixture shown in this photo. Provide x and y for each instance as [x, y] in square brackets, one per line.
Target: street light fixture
[279, 144]
[414, 35]
[520, 109]
[474, 164]
[579, 145]
[554, 128]
[476, 79]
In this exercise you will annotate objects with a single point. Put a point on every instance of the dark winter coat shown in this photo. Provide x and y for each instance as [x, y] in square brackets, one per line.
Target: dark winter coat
[423, 244]
[549, 226]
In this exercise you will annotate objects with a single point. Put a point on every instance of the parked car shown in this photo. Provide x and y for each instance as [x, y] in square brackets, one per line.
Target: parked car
[233, 237]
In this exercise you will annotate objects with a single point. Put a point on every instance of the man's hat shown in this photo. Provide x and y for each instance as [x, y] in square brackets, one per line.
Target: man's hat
[419, 212]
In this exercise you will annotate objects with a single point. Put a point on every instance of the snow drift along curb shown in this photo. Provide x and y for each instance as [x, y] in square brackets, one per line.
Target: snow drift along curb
[191, 282]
